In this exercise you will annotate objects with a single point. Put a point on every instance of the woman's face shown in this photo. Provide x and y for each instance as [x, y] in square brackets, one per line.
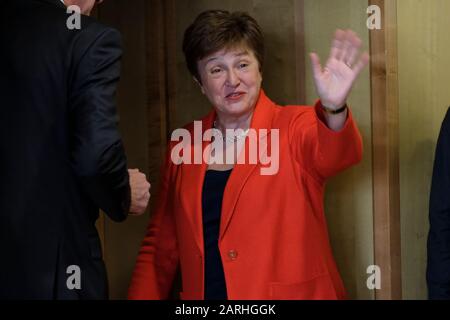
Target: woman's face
[231, 80]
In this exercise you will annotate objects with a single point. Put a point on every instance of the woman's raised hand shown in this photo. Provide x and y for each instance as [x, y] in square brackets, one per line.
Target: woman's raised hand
[335, 81]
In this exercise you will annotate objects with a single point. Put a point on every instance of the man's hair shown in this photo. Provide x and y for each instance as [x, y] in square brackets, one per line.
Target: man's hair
[215, 30]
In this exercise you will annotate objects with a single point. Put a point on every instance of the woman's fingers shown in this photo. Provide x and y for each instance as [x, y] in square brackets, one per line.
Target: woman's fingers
[363, 61]
[337, 45]
[353, 47]
[316, 66]
[345, 47]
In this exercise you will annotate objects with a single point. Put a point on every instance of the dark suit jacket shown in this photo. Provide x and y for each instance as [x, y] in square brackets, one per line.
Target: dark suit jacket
[61, 155]
[438, 269]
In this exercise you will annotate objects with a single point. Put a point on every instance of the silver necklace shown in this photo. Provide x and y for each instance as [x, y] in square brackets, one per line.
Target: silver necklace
[235, 137]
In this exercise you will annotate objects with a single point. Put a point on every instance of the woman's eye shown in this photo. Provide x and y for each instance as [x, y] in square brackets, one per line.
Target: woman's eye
[243, 65]
[216, 70]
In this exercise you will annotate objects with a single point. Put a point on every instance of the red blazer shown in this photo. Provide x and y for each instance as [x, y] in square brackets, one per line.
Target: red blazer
[273, 234]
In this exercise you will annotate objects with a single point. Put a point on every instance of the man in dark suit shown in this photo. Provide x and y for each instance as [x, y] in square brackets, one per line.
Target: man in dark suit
[61, 155]
[438, 269]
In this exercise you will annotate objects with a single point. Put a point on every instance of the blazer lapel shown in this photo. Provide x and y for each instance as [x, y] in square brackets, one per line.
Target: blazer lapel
[262, 119]
[194, 176]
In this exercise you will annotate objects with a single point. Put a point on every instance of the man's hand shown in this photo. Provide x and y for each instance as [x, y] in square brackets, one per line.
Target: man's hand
[140, 191]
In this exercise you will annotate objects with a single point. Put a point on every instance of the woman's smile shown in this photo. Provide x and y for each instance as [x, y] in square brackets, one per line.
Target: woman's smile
[235, 96]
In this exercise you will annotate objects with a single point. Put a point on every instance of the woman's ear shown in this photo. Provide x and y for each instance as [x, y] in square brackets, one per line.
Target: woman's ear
[199, 84]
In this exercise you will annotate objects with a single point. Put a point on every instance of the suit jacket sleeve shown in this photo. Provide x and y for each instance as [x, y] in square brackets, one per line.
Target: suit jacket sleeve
[321, 151]
[97, 153]
[158, 256]
[438, 269]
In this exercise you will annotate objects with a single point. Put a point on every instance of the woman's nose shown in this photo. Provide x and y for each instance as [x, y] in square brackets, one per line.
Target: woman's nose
[232, 79]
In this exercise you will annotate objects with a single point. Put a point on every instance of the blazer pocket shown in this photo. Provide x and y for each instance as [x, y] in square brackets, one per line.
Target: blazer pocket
[318, 288]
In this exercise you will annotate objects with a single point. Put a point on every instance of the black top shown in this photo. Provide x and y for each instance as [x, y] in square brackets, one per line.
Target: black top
[213, 189]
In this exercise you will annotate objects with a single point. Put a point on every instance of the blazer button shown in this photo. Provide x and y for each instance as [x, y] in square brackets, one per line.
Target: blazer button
[232, 254]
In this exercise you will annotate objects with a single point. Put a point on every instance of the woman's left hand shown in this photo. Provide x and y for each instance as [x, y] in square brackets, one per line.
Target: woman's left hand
[335, 81]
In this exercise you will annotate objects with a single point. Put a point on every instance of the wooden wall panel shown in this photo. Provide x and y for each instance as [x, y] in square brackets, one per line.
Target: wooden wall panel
[424, 78]
[146, 96]
[386, 193]
[348, 202]
[122, 240]
[300, 51]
